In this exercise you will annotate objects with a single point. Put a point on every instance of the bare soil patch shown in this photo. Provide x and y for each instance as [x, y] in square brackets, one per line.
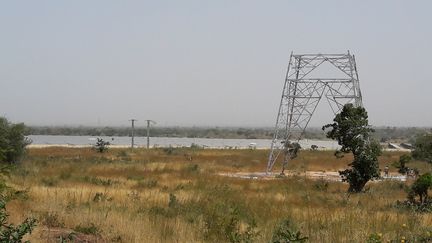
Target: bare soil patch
[315, 175]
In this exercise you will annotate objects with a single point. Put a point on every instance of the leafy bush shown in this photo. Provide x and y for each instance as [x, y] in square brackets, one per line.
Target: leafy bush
[5, 190]
[420, 188]
[12, 141]
[401, 164]
[173, 209]
[50, 220]
[222, 222]
[286, 232]
[221, 214]
[374, 238]
[321, 185]
[10, 232]
[101, 145]
[67, 238]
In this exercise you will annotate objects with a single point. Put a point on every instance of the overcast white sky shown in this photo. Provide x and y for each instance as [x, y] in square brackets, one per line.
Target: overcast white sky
[213, 63]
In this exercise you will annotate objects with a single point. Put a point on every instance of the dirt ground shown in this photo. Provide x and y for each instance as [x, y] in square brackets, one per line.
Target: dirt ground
[316, 175]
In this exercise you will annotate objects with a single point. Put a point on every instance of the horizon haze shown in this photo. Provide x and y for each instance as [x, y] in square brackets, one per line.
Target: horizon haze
[202, 63]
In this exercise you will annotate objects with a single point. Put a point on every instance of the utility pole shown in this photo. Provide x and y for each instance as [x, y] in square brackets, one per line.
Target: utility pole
[133, 131]
[148, 131]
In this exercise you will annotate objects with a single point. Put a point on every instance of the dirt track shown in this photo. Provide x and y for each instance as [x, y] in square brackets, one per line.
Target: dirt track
[317, 175]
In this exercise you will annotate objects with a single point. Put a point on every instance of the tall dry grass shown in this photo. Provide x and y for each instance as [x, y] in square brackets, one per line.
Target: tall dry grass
[174, 195]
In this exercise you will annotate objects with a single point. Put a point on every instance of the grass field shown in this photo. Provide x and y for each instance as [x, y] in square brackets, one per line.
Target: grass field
[176, 195]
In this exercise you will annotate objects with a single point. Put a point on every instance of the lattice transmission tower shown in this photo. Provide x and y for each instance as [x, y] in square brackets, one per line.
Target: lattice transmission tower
[303, 91]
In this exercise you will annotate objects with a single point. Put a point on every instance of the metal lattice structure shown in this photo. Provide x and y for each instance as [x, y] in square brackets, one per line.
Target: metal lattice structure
[302, 92]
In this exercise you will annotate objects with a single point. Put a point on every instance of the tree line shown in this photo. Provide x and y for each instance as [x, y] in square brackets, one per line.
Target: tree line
[382, 134]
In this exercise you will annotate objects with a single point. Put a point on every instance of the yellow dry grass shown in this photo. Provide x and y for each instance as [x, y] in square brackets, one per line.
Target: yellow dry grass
[134, 188]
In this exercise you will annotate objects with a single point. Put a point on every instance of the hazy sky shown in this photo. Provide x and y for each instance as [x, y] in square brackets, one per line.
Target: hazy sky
[204, 62]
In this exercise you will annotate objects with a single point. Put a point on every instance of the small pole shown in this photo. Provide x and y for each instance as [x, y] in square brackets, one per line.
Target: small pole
[149, 122]
[133, 132]
[148, 134]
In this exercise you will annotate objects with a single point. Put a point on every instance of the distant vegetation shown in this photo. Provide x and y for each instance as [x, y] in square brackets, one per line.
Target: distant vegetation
[192, 132]
[382, 134]
[423, 148]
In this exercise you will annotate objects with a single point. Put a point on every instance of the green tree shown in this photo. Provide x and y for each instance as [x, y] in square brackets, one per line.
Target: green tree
[423, 148]
[12, 141]
[352, 131]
